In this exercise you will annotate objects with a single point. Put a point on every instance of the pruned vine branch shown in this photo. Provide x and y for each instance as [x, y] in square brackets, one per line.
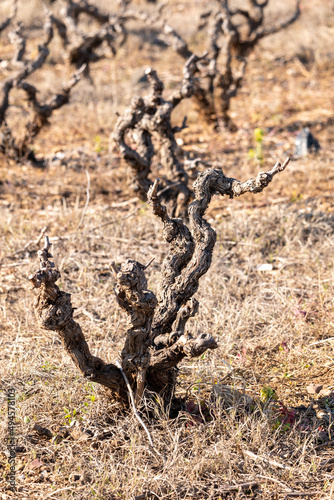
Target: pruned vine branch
[191, 248]
[232, 34]
[149, 119]
[20, 150]
[157, 338]
[42, 112]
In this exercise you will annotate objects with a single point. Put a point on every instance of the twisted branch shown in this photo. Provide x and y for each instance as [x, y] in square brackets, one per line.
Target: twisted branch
[53, 310]
[222, 70]
[81, 47]
[193, 251]
[149, 117]
[156, 340]
[42, 112]
[27, 68]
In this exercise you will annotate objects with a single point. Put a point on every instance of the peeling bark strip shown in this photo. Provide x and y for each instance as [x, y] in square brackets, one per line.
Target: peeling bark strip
[232, 34]
[151, 117]
[157, 339]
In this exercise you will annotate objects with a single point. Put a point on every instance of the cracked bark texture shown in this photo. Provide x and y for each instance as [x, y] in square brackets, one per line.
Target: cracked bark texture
[232, 34]
[54, 311]
[149, 118]
[157, 338]
[20, 150]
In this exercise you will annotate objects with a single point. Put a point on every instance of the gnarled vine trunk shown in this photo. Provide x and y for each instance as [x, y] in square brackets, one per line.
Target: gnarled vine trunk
[150, 118]
[21, 150]
[157, 339]
[232, 33]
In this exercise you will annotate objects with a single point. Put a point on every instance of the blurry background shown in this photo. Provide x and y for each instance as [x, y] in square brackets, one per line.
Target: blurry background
[268, 297]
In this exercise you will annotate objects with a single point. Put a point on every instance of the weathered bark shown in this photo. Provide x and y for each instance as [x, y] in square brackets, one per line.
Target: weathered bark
[150, 117]
[220, 73]
[188, 261]
[157, 339]
[54, 311]
[139, 303]
[42, 112]
[139, 160]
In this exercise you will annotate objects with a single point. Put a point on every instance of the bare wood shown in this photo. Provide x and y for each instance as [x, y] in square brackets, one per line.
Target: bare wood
[54, 311]
[26, 70]
[139, 303]
[138, 160]
[157, 338]
[185, 346]
[257, 32]
[265, 459]
[81, 47]
[42, 112]
[176, 41]
[8, 144]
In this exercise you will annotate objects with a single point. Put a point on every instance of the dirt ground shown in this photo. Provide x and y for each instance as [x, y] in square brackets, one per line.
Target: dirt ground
[256, 422]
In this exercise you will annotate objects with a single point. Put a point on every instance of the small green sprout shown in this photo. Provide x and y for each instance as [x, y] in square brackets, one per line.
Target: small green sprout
[258, 151]
[267, 394]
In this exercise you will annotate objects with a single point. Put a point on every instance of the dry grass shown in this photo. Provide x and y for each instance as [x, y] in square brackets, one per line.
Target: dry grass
[275, 327]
